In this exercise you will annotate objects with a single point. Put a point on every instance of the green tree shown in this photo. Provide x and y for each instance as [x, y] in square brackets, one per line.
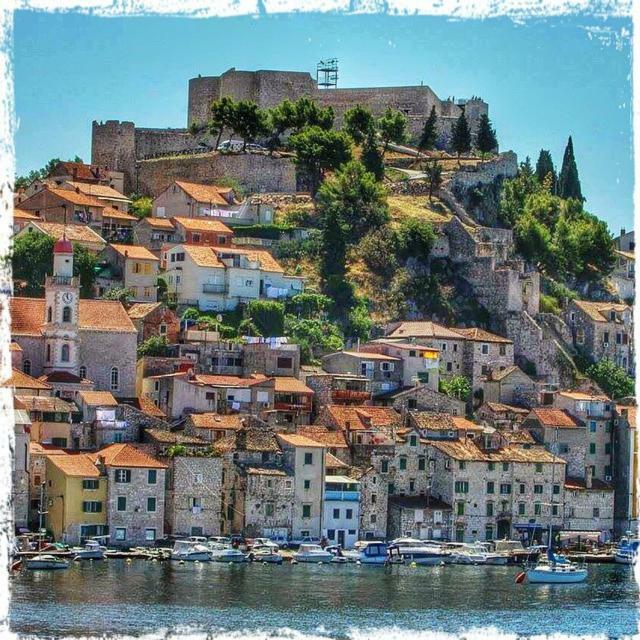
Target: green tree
[380, 250]
[514, 195]
[154, 346]
[121, 294]
[309, 305]
[434, 177]
[392, 127]
[280, 118]
[221, 117]
[533, 239]
[141, 207]
[371, 157]
[308, 114]
[359, 320]
[191, 314]
[31, 261]
[84, 267]
[429, 133]
[456, 387]
[318, 150]
[545, 168]
[486, 140]
[248, 121]
[314, 336]
[163, 289]
[415, 239]
[21, 182]
[461, 136]
[569, 182]
[268, 316]
[359, 123]
[612, 379]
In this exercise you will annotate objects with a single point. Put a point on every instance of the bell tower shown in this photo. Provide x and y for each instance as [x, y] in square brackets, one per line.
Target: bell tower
[62, 306]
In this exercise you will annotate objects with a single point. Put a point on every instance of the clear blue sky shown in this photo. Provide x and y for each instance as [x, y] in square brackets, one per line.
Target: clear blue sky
[543, 80]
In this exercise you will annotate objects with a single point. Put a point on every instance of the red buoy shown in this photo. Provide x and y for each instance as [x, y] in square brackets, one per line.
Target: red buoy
[520, 577]
[16, 566]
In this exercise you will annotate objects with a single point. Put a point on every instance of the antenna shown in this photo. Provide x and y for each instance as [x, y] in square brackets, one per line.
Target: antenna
[327, 74]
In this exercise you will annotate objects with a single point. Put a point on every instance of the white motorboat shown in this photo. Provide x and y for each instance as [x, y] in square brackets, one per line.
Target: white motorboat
[312, 553]
[190, 551]
[264, 554]
[46, 562]
[627, 551]
[410, 550]
[373, 552]
[227, 554]
[493, 557]
[469, 554]
[92, 550]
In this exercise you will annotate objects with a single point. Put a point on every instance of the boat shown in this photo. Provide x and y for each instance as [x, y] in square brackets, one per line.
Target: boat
[46, 562]
[494, 557]
[190, 551]
[92, 550]
[627, 551]
[265, 554]
[553, 570]
[373, 552]
[312, 553]
[410, 550]
[226, 554]
[469, 554]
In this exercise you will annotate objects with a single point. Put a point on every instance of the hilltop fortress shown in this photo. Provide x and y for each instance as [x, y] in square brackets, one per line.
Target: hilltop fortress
[144, 154]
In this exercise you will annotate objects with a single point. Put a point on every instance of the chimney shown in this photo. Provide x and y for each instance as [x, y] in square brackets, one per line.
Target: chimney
[622, 231]
[588, 477]
[77, 188]
[241, 440]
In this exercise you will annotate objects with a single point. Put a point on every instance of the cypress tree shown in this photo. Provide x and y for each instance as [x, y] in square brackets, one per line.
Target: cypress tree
[429, 132]
[544, 167]
[461, 136]
[372, 157]
[569, 182]
[486, 139]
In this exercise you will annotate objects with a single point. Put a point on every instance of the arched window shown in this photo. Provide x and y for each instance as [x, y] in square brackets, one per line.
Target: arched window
[66, 314]
[26, 367]
[115, 378]
[65, 353]
[49, 314]
[82, 372]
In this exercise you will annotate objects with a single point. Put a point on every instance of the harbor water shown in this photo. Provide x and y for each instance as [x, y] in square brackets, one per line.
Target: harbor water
[310, 601]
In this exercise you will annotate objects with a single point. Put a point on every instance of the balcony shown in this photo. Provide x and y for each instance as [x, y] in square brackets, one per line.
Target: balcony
[289, 406]
[63, 280]
[349, 395]
[346, 496]
[214, 288]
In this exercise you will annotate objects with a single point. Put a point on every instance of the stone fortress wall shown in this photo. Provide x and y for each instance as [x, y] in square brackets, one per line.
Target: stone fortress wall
[122, 146]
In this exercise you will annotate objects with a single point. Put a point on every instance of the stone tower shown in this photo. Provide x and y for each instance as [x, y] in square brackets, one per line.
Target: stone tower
[62, 307]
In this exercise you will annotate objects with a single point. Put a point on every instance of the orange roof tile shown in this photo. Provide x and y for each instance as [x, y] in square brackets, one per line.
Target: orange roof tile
[500, 407]
[202, 256]
[147, 406]
[554, 418]
[217, 421]
[464, 449]
[205, 193]
[134, 251]
[98, 398]
[74, 197]
[266, 261]
[599, 311]
[141, 310]
[442, 421]
[98, 190]
[423, 329]
[358, 418]
[110, 212]
[73, 232]
[25, 215]
[480, 335]
[331, 462]
[370, 355]
[127, 455]
[297, 440]
[580, 484]
[20, 380]
[201, 224]
[330, 438]
[159, 223]
[80, 465]
[579, 395]
[231, 381]
[288, 384]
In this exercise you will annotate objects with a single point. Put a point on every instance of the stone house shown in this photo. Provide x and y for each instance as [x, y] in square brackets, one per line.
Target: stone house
[422, 398]
[52, 420]
[500, 415]
[334, 440]
[561, 434]
[420, 365]
[595, 411]
[20, 469]
[101, 415]
[385, 372]
[602, 330]
[87, 174]
[292, 400]
[79, 234]
[193, 494]
[131, 267]
[101, 192]
[409, 467]
[213, 426]
[496, 491]
[437, 426]
[422, 517]
[341, 515]
[191, 200]
[135, 497]
[374, 493]
[623, 275]
[307, 459]
[22, 218]
[337, 388]
[154, 319]
[211, 355]
[626, 464]
[154, 233]
[272, 357]
[626, 241]
[510, 386]
[203, 231]
[589, 506]
[449, 342]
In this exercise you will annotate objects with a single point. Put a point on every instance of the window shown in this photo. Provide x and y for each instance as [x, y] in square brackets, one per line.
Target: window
[374, 498]
[48, 353]
[49, 314]
[556, 489]
[149, 535]
[592, 448]
[505, 466]
[505, 489]
[123, 475]
[491, 487]
[59, 442]
[484, 349]
[449, 366]
[90, 485]
[115, 378]
[198, 478]
[308, 458]
[580, 336]
[607, 448]
[563, 447]
[521, 508]
[306, 510]
[522, 487]
[443, 346]
[413, 441]
[421, 463]
[489, 509]
[285, 363]
[412, 486]
[152, 476]
[460, 508]
[391, 489]
[268, 509]
[596, 512]
[66, 314]
[503, 349]
[462, 464]
[121, 533]
[537, 509]
[151, 505]
[384, 466]
[307, 484]
[554, 510]
[82, 372]
[349, 515]
[374, 518]
[65, 353]
[538, 467]
[26, 367]
[91, 506]
[461, 486]
[538, 488]
[403, 463]
[593, 426]
[336, 514]
[122, 503]
[491, 466]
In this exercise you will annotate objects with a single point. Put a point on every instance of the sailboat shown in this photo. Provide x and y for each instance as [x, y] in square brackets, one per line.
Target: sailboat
[554, 571]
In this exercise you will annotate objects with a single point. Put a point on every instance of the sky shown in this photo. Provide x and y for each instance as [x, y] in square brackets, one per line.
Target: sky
[543, 79]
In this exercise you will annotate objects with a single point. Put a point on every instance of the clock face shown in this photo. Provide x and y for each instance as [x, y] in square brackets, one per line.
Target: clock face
[67, 297]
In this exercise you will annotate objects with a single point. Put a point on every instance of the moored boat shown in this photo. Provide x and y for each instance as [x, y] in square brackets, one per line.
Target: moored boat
[312, 553]
[227, 554]
[92, 550]
[373, 552]
[410, 550]
[264, 554]
[554, 570]
[190, 551]
[46, 562]
[627, 551]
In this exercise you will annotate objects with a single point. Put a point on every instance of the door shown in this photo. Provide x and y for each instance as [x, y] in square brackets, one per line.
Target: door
[341, 537]
[504, 529]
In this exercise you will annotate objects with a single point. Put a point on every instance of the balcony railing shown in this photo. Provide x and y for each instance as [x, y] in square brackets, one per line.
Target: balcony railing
[347, 394]
[214, 288]
[288, 406]
[347, 496]
[64, 280]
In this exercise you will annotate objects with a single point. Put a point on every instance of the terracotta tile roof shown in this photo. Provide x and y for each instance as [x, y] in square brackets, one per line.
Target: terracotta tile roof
[368, 355]
[442, 421]
[141, 310]
[331, 462]
[264, 258]
[147, 406]
[521, 436]
[202, 256]
[98, 398]
[20, 380]
[134, 251]
[49, 404]
[480, 335]
[288, 384]
[328, 437]
[73, 232]
[599, 311]
[358, 418]
[554, 418]
[464, 449]
[65, 377]
[405, 346]
[266, 471]
[83, 171]
[500, 374]
[499, 407]
[296, 440]
[74, 197]
[126, 455]
[632, 417]
[98, 191]
[423, 329]
[201, 224]
[27, 316]
[110, 212]
[21, 214]
[205, 193]
[80, 465]
[231, 381]
[163, 436]
[158, 223]
[578, 484]
[216, 421]
[579, 395]
[248, 439]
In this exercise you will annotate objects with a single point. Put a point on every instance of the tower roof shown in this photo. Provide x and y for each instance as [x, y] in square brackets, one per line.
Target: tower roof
[63, 245]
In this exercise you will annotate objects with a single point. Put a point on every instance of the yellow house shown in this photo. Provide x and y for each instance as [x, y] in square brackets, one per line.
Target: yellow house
[75, 498]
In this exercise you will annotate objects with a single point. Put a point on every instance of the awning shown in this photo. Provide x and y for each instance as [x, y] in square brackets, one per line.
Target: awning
[535, 526]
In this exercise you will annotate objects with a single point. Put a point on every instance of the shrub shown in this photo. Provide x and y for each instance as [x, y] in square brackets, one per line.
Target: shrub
[268, 316]
[548, 304]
